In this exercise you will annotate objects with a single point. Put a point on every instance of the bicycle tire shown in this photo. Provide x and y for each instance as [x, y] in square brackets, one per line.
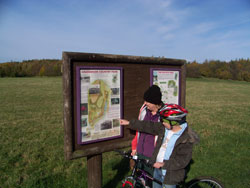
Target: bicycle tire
[128, 182]
[204, 182]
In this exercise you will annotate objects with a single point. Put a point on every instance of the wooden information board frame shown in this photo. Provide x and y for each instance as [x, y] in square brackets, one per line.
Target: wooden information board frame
[136, 78]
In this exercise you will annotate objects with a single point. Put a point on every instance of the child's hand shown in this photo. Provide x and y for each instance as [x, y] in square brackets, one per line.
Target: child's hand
[124, 122]
[158, 165]
[133, 152]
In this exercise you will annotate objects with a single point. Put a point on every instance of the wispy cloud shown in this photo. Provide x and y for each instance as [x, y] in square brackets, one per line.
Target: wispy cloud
[202, 28]
[186, 29]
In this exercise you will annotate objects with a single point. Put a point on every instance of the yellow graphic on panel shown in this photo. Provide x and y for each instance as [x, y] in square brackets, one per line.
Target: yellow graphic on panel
[98, 101]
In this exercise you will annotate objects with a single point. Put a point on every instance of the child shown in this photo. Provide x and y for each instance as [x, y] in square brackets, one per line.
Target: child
[173, 150]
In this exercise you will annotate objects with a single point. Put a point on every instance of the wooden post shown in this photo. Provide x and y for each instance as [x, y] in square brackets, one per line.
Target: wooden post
[94, 164]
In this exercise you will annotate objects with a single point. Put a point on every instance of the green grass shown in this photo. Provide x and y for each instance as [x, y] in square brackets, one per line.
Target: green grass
[219, 112]
[31, 135]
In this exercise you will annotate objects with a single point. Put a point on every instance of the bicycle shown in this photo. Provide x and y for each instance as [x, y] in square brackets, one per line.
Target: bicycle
[139, 177]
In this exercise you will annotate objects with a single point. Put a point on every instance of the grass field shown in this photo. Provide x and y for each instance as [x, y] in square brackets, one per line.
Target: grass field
[31, 135]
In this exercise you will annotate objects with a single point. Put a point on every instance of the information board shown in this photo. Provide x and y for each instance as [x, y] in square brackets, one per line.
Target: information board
[99, 89]
[99, 103]
[168, 79]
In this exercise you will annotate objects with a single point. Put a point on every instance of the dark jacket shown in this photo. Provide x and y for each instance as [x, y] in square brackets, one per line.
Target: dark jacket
[182, 152]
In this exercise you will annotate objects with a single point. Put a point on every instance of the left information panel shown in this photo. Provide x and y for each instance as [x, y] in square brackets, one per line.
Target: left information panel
[99, 103]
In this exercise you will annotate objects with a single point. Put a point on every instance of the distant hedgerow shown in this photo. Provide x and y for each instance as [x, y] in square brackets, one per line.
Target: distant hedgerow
[44, 67]
[234, 70]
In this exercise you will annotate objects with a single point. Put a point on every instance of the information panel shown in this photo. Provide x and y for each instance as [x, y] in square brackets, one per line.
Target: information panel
[99, 103]
[169, 81]
[99, 89]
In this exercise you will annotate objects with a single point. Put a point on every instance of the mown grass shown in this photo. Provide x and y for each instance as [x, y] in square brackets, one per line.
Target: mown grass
[219, 112]
[31, 135]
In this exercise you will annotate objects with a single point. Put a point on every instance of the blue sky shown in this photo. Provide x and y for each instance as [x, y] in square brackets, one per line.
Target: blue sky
[183, 29]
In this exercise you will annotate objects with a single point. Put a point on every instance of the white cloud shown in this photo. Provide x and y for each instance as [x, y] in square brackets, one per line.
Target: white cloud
[169, 36]
[175, 29]
[201, 28]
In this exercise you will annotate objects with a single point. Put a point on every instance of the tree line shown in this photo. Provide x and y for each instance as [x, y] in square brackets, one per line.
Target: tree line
[29, 68]
[234, 70]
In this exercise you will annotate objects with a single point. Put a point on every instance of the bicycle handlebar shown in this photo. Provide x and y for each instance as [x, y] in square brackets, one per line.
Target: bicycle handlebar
[135, 157]
[144, 161]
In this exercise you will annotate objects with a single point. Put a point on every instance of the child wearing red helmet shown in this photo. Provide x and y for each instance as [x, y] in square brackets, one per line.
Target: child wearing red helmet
[173, 150]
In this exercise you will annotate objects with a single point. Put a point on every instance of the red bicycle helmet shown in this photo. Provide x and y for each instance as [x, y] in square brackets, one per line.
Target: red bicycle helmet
[173, 112]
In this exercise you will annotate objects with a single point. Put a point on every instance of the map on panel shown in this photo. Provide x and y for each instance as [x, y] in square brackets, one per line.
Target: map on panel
[100, 104]
[98, 101]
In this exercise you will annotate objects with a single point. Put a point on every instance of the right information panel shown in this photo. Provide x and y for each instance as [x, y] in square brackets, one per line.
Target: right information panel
[169, 82]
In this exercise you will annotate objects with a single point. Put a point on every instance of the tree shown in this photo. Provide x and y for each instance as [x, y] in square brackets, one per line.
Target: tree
[42, 71]
[193, 70]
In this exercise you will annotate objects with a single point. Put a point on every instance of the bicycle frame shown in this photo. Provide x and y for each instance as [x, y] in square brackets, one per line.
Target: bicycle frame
[144, 175]
[138, 174]
[141, 179]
